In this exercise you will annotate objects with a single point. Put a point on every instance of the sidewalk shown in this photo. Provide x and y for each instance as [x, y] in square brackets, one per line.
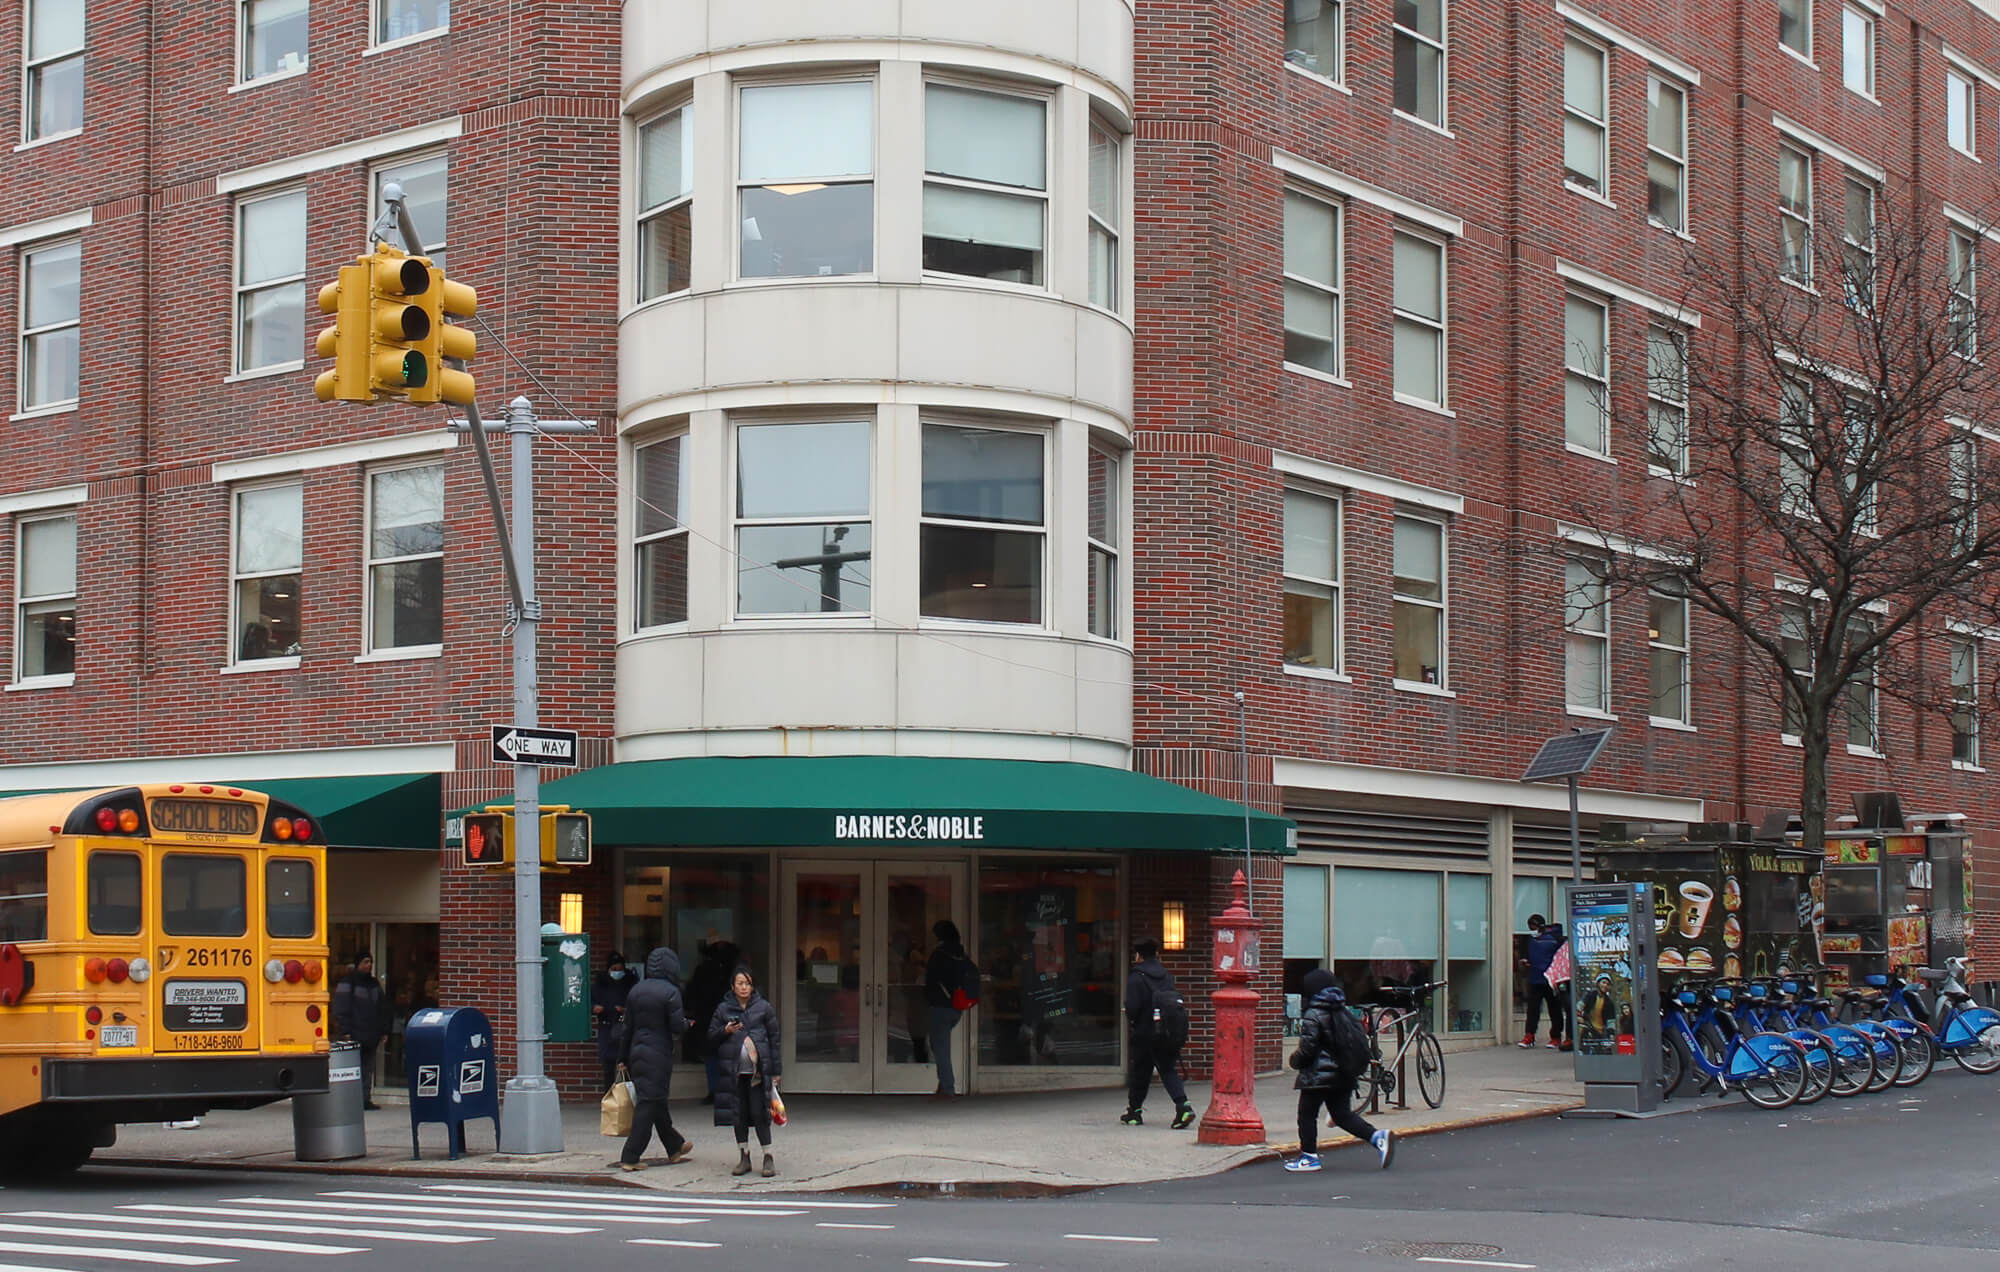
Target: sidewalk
[1010, 1143]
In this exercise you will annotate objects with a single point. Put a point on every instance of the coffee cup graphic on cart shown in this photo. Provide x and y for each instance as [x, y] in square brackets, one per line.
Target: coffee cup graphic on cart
[1696, 898]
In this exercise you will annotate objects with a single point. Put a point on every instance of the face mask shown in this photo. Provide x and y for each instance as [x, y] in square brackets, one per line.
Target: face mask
[617, 973]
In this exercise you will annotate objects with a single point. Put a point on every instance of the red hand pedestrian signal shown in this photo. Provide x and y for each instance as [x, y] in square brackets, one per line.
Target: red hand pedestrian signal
[487, 839]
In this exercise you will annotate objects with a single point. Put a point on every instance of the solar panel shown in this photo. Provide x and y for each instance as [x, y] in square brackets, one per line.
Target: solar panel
[1566, 755]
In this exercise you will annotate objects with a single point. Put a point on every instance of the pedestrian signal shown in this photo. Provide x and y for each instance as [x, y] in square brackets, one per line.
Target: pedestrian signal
[488, 839]
[565, 839]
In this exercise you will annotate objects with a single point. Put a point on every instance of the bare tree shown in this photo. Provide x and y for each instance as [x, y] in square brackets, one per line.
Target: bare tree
[1817, 478]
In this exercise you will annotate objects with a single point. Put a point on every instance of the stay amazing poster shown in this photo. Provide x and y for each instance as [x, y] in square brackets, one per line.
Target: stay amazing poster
[1601, 947]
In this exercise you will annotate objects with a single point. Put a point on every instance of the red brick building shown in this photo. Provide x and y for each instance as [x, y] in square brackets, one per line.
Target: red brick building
[1145, 355]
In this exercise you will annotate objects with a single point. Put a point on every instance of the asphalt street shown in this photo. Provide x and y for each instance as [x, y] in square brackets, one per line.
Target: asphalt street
[1902, 1178]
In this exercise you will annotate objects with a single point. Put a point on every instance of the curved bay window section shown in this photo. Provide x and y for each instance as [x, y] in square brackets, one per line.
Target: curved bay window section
[984, 524]
[805, 179]
[985, 184]
[804, 541]
[660, 533]
[666, 203]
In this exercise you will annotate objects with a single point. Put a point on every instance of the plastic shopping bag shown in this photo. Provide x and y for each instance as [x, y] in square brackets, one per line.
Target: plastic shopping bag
[777, 1108]
[614, 1111]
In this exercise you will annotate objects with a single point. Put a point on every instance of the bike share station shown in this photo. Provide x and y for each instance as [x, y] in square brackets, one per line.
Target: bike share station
[1614, 998]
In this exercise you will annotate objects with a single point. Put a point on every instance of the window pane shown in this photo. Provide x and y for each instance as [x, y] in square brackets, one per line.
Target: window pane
[1426, 17]
[1103, 595]
[1106, 176]
[812, 569]
[662, 486]
[1419, 79]
[1583, 335]
[1312, 328]
[24, 895]
[53, 367]
[992, 576]
[1583, 78]
[1312, 36]
[48, 557]
[794, 131]
[407, 512]
[113, 887]
[1050, 962]
[202, 896]
[1666, 619]
[1312, 625]
[811, 230]
[409, 603]
[424, 195]
[981, 474]
[663, 581]
[1310, 242]
[1794, 182]
[1583, 598]
[1305, 910]
[666, 159]
[289, 909]
[1418, 629]
[980, 234]
[1103, 268]
[1857, 51]
[1583, 412]
[1583, 153]
[269, 533]
[267, 615]
[1419, 277]
[1104, 497]
[1419, 361]
[1468, 923]
[1669, 682]
[48, 639]
[400, 19]
[54, 279]
[275, 38]
[992, 137]
[1795, 25]
[803, 470]
[273, 239]
[1665, 117]
[1958, 105]
[1531, 897]
[1419, 558]
[666, 245]
[54, 26]
[1311, 536]
[274, 326]
[1584, 671]
[1385, 916]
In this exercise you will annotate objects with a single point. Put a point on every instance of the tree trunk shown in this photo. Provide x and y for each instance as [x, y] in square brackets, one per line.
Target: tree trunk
[1812, 780]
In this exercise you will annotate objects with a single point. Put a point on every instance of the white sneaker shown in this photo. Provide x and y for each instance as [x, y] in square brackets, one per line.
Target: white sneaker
[1304, 1162]
[1385, 1144]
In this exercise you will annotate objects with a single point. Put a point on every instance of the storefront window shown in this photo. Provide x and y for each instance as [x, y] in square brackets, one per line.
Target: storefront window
[1468, 937]
[1305, 935]
[690, 906]
[1049, 951]
[1531, 897]
[1385, 929]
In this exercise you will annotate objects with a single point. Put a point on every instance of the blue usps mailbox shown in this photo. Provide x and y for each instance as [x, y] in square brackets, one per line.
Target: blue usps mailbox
[453, 1077]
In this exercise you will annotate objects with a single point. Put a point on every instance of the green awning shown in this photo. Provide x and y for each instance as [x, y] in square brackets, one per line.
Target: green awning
[904, 801]
[395, 811]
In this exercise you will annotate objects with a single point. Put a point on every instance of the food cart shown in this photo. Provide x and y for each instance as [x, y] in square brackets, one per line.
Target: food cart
[1898, 894]
[1725, 903]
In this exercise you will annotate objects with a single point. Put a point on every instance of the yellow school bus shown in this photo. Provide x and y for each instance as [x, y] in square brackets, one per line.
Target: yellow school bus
[162, 953]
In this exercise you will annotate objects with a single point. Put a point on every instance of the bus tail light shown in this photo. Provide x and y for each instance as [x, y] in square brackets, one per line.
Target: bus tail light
[314, 971]
[95, 1015]
[128, 819]
[281, 827]
[107, 820]
[295, 971]
[94, 971]
[312, 1014]
[142, 971]
[274, 971]
[118, 969]
[301, 829]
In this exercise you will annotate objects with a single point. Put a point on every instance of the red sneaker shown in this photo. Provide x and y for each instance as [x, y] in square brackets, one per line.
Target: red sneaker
[1555, 1044]
[1528, 1041]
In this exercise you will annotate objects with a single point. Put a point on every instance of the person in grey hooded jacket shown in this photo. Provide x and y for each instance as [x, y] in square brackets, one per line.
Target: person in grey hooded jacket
[655, 1016]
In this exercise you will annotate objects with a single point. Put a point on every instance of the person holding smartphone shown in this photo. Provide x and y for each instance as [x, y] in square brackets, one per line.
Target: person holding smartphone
[744, 1035]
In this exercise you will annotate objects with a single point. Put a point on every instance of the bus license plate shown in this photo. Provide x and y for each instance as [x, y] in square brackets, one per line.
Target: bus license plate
[119, 1036]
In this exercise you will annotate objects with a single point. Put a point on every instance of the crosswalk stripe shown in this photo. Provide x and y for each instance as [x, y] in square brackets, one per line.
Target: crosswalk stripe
[668, 1204]
[294, 1229]
[23, 1267]
[684, 1245]
[681, 1199]
[177, 1238]
[380, 1208]
[122, 1256]
[866, 1227]
[556, 1230]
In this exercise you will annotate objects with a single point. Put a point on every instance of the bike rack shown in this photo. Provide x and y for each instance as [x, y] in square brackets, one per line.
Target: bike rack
[1402, 1097]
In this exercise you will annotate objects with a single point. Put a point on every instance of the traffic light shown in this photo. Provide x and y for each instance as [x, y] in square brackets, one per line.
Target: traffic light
[565, 839]
[346, 342]
[488, 839]
[400, 325]
[448, 384]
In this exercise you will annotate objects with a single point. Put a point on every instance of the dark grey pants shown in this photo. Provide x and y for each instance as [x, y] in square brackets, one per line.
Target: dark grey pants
[1340, 1103]
[1139, 1077]
[648, 1116]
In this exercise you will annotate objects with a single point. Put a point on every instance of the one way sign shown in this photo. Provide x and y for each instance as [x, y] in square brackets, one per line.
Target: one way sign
[548, 747]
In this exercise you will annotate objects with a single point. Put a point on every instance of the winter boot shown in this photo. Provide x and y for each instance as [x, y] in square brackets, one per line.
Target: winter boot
[770, 1167]
[742, 1166]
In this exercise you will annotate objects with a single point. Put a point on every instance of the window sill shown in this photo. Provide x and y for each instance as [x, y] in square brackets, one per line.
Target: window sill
[401, 655]
[1679, 232]
[275, 77]
[1790, 739]
[1588, 713]
[1803, 284]
[1668, 474]
[663, 629]
[1419, 687]
[939, 278]
[1961, 150]
[51, 139]
[654, 302]
[42, 412]
[1421, 122]
[1110, 313]
[1588, 453]
[422, 37]
[1963, 767]
[1589, 193]
[265, 373]
[1870, 98]
[1804, 59]
[795, 622]
[869, 279]
[1865, 752]
[1318, 673]
[1423, 404]
[1671, 724]
[42, 682]
[974, 627]
[287, 663]
[1326, 81]
[1314, 373]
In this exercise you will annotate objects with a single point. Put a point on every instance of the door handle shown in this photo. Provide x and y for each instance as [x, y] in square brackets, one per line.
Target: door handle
[867, 995]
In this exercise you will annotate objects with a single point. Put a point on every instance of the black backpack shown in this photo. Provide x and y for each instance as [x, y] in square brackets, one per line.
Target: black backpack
[1347, 1042]
[1170, 1018]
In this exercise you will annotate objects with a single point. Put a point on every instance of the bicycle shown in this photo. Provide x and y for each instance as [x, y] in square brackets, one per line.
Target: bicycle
[1769, 1069]
[1915, 1038]
[1403, 1007]
[1970, 1035]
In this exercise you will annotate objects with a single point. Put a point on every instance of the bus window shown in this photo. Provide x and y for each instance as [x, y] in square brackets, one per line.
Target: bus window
[288, 897]
[202, 896]
[114, 893]
[24, 895]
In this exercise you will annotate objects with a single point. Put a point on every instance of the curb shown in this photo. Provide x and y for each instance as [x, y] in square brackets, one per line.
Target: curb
[1440, 1128]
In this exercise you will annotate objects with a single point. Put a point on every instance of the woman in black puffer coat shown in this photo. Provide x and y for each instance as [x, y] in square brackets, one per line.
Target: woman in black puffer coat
[654, 1017]
[749, 1073]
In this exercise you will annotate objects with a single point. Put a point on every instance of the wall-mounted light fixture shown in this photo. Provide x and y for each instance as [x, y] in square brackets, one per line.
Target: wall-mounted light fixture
[1173, 925]
[572, 912]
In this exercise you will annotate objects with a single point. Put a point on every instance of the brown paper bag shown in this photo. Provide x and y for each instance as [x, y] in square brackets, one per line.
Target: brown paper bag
[614, 1111]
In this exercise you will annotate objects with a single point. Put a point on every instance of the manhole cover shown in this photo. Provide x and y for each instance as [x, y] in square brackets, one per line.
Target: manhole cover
[1434, 1250]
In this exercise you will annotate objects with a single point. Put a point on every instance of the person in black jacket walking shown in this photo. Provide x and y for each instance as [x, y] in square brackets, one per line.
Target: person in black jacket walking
[1158, 1017]
[1323, 1079]
[361, 1015]
[744, 1036]
[941, 977]
[654, 1017]
[607, 1009]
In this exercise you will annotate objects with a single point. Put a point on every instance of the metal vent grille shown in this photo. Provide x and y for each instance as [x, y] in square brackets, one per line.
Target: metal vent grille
[1392, 834]
[1549, 846]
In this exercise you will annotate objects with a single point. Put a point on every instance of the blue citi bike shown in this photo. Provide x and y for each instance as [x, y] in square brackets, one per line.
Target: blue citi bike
[1700, 1034]
[1953, 1026]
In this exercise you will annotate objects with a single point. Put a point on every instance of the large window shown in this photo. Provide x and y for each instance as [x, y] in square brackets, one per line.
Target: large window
[1586, 636]
[1418, 605]
[24, 895]
[1666, 154]
[1864, 703]
[1313, 36]
[805, 176]
[660, 533]
[1312, 580]
[1420, 59]
[272, 37]
[1312, 283]
[202, 895]
[704, 906]
[1794, 635]
[1585, 115]
[1857, 50]
[1386, 925]
[1961, 95]
[1107, 185]
[1468, 943]
[984, 522]
[1795, 26]
[1667, 654]
[51, 310]
[53, 81]
[1857, 236]
[45, 598]
[1859, 421]
[114, 902]
[985, 183]
[290, 910]
[1964, 702]
[270, 280]
[406, 557]
[1795, 215]
[803, 538]
[1420, 323]
[1586, 386]
[1666, 399]
[1052, 963]
[666, 202]
[406, 19]
[1963, 263]
[424, 197]
[1963, 464]
[269, 571]
[1795, 450]
[1106, 531]
[1305, 935]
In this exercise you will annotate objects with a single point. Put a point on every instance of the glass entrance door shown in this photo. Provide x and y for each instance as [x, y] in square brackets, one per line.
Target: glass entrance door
[854, 1015]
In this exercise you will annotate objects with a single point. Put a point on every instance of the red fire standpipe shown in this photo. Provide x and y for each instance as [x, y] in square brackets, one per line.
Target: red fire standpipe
[1232, 1116]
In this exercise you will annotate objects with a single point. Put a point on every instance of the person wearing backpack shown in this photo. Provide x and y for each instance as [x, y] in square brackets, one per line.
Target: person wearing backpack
[951, 988]
[1159, 1019]
[1332, 1056]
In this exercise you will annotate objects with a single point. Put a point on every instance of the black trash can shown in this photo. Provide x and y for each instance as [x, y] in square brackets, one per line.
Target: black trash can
[329, 1127]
